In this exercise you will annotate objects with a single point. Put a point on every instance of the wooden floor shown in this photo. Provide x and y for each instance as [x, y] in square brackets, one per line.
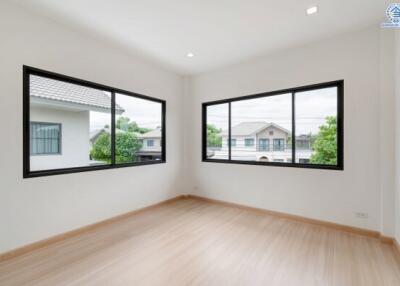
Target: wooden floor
[192, 242]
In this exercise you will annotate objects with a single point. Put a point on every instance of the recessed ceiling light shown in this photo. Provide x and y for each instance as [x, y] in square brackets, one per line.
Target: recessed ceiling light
[312, 10]
[190, 55]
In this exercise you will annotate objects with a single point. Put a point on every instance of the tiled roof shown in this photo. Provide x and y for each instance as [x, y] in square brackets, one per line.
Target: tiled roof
[155, 133]
[50, 89]
[248, 128]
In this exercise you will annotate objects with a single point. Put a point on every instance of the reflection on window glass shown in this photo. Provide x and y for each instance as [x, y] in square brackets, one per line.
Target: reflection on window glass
[261, 128]
[138, 130]
[316, 126]
[217, 131]
[65, 120]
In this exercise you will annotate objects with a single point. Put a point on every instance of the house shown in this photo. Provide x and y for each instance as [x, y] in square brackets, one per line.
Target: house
[151, 145]
[262, 141]
[60, 122]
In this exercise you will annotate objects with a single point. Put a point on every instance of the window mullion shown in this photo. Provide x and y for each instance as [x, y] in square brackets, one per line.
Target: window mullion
[113, 128]
[293, 128]
[229, 132]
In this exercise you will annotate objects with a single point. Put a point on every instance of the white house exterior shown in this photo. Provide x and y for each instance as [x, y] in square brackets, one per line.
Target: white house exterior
[151, 145]
[259, 141]
[68, 106]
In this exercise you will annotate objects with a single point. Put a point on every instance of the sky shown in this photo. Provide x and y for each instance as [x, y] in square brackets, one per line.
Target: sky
[144, 112]
[312, 107]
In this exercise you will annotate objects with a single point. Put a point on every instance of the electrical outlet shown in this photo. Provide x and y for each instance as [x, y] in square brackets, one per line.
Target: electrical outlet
[362, 215]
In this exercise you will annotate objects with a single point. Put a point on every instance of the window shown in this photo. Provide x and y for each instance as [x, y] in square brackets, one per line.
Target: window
[216, 132]
[263, 144]
[140, 120]
[298, 127]
[316, 126]
[86, 126]
[279, 145]
[45, 138]
[249, 142]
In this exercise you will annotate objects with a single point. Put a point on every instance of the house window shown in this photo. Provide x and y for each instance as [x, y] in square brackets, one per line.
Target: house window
[307, 124]
[98, 127]
[45, 138]
[279, 144]
[233, 142]
[249, 142]
[150, 143]
[263, 144]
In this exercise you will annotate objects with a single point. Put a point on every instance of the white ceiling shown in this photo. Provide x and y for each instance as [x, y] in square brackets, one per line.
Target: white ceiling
[218, 32]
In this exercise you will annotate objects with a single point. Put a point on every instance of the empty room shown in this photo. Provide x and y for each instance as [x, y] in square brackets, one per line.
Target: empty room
[194, 142]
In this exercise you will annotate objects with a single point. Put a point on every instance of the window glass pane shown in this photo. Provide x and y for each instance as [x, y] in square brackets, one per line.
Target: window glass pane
[138, 125]
[66, 121]
[266, 121]
[316, 131]
[217, 131]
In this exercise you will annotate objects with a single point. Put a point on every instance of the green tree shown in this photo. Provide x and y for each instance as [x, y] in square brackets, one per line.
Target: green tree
[101, 150]
[325, 144]
[126, 146]
[125, 124]
[214, 138]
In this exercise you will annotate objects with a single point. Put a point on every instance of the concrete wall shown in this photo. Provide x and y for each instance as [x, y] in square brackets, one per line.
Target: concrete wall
[321, 194]
[37, 208]
[74, 139]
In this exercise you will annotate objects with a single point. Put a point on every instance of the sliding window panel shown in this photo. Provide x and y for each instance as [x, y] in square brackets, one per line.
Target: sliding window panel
[316, 126]
[66, 123]
[217, 131]
[138, 130]
[262, 129]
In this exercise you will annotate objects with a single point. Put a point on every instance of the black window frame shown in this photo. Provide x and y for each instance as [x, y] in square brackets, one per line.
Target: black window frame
[27, 173]
[339, 84]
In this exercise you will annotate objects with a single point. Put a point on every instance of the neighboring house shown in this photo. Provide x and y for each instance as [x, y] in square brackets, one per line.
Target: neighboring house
[150, 141]
[60, 122]
[262, 141]
[151, 145]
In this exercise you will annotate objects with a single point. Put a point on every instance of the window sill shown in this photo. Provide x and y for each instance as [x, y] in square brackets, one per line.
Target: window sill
[34, 174]
[276, 164]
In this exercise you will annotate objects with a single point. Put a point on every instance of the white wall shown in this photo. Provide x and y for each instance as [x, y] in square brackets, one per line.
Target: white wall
[397, 134]
[386, 130]
[34, 209]
[322, 194]
[75, 148]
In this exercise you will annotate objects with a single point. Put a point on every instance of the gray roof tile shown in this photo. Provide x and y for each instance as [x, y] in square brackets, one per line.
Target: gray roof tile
[50, 89]
[249, 128]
